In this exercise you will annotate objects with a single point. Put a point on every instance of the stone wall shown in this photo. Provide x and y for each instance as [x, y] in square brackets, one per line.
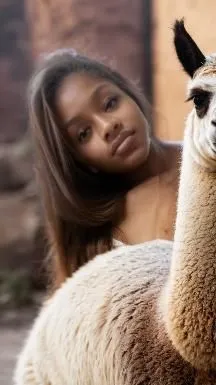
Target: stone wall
[20, 219]
[15, 65]
[21, 240]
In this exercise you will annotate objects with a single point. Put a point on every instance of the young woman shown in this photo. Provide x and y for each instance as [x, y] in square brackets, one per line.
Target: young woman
[104, 177]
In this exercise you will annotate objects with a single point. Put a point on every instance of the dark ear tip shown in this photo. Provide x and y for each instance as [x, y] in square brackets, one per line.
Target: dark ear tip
[186, 49]
[178, 26]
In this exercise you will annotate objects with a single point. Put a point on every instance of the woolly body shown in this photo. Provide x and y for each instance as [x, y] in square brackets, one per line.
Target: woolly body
[105, 326]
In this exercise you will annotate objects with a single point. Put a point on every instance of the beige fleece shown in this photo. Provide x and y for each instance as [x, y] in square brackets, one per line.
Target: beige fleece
[105, 326]
[191, 289]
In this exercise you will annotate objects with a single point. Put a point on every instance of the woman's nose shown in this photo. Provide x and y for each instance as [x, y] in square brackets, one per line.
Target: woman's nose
[108, 128]
[111, 131]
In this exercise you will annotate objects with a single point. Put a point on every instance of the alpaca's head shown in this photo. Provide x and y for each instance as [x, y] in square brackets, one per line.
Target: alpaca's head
[202, 90]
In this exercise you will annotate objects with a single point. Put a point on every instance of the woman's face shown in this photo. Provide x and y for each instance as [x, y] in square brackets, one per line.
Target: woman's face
[107, 129]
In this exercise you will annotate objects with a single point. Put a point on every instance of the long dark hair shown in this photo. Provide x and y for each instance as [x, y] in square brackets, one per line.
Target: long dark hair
[80, 207]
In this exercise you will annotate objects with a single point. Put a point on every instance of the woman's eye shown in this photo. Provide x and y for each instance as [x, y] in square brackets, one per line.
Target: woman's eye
[84, 134]
[111, 103]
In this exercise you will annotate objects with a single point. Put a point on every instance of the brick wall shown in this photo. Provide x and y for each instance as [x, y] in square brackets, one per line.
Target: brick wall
[111, 30]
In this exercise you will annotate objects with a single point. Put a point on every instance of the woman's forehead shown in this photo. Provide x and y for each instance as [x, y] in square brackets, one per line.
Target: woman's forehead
[81, 82]
[77, 90]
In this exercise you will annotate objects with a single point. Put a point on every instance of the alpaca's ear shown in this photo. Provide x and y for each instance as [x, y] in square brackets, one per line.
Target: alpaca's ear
[187, 51]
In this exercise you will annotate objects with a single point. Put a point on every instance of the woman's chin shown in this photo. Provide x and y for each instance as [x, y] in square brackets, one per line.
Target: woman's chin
[135, 160]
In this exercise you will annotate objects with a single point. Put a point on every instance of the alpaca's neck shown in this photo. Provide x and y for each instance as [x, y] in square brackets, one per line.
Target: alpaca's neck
[191, 290]
[196, 209]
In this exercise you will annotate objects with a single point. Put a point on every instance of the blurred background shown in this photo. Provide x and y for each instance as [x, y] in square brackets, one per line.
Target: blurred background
[135, 37]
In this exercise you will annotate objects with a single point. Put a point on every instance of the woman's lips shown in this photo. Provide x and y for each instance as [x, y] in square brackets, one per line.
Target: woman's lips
[123, 142]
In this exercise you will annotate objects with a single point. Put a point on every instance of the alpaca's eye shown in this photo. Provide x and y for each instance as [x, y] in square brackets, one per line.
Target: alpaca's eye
[200, 101]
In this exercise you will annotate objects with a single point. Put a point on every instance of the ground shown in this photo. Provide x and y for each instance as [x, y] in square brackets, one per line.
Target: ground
[14, 326]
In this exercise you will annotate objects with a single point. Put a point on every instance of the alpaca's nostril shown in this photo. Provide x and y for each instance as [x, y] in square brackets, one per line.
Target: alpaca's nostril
[213, 122]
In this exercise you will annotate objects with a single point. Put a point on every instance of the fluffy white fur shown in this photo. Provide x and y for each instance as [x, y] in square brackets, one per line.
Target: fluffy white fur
[104, 325]
[191, 288]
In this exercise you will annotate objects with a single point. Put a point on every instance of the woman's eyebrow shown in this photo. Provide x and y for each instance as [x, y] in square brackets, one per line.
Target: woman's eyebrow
[100, 88]
[69, 123]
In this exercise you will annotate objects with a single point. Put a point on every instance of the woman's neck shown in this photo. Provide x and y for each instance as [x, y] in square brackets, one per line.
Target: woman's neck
[163, 156]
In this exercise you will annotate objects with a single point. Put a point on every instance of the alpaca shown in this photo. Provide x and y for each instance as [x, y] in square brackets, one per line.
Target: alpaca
[127, 317]
[191, 288]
